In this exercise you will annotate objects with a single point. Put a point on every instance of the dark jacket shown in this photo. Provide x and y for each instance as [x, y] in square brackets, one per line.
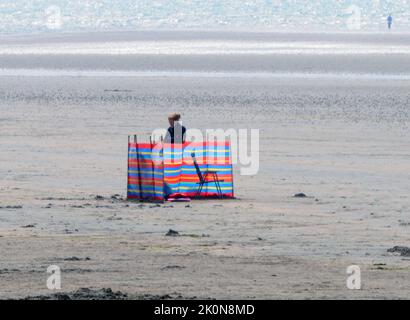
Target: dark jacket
[176, 134]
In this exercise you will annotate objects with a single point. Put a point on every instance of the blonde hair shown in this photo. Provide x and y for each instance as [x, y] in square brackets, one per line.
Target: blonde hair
[174, 116]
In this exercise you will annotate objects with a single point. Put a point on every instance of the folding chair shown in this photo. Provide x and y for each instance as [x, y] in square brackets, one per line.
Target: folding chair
[203, 179]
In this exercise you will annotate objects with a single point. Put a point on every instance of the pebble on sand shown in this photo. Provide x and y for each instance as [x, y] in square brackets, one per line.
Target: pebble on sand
[172, 233]
[77, 259]
[29, 226]
[300, 195]
[12, 207]
[404, 251]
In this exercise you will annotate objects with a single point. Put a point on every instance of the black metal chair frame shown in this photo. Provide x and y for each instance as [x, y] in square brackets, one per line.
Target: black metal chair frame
[203, 179]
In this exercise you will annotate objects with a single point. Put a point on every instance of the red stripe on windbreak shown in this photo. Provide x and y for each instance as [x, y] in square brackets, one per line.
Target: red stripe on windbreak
[175, 146]
[150, 182]
[172, 165]
[145, 161]
[208, 194]
[196, 144]
[145, 164]
[210, 160]
[135, 160]
[145, 169]
[141, 145]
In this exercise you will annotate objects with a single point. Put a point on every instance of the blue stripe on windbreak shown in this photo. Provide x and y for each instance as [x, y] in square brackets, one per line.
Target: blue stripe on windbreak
[210, 151]
[144, 175]
[158, 192]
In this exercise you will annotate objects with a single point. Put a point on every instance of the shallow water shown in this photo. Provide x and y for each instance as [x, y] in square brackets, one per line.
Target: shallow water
[76, 15]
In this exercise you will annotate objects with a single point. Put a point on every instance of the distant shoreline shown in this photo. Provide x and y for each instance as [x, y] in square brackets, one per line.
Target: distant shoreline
[194, 33]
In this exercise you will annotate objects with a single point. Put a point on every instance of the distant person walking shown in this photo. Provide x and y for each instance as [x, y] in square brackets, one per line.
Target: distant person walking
[389, 21]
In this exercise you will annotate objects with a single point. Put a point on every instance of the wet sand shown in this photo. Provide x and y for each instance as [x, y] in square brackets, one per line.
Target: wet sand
[342, 142]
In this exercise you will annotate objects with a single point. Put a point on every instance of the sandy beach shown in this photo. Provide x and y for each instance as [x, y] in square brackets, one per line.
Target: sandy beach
[333, 114]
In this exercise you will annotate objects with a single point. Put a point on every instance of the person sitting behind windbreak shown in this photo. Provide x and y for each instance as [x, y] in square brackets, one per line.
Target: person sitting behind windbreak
[176, 131]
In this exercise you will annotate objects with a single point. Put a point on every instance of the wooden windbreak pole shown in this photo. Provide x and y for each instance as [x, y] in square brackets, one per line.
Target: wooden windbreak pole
[138, 166]
[128, 164]
[163, 168]
[231, 163]
[152, 168]
[205, 160]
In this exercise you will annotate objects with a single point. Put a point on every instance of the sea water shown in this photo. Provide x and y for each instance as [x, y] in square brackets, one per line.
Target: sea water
[23, 16]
